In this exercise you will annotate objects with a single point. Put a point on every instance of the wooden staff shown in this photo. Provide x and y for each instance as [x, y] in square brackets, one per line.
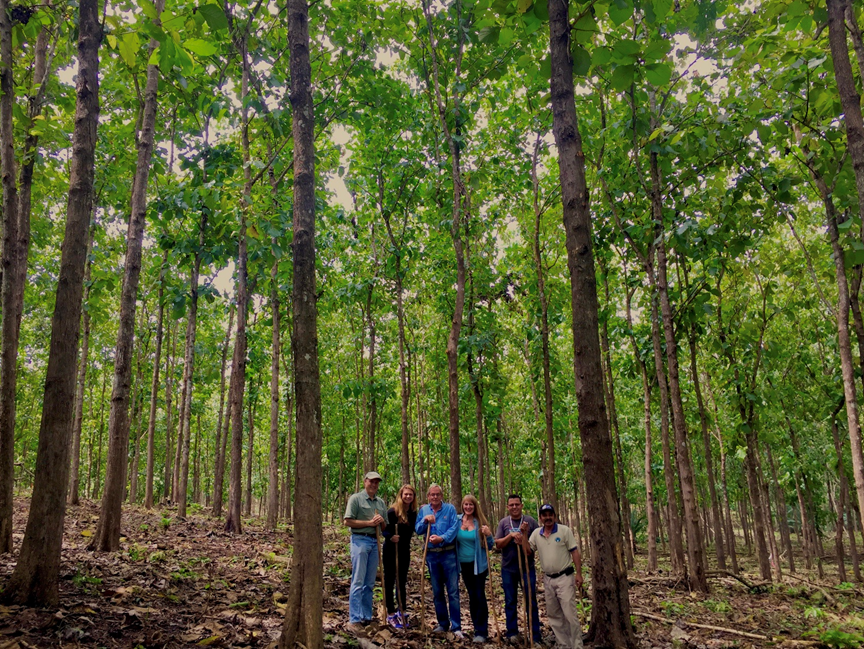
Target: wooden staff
[529, 594]
[423, 579]
[492, 594]
[382, 609]
[582, 607]
[399, 590]
[524, 592]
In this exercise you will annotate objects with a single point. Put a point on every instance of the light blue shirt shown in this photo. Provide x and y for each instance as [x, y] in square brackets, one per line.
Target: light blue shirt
[446, 523]
[477, 551]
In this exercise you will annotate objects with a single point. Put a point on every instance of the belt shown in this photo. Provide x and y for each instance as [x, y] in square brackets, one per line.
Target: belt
[446, 548]
[363, 534]
[569, 570]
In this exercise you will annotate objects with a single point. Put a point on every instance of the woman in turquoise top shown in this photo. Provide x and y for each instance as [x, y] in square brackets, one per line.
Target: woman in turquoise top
[470, 537]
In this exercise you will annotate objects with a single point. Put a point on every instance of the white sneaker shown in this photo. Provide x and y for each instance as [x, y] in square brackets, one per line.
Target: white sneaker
[459, 634]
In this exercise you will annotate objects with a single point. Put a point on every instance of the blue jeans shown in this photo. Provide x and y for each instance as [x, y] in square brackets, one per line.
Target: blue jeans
[510, 584]
[444, 574]
[364, 566]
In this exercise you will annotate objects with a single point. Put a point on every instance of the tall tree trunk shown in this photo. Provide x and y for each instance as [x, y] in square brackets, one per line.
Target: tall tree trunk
[16, 243]
[609, 386]
[137, 397]
[850, 100]
[154, 386]
[610, 616]
[460, 199]
[695, 545]
[370, 463]
[107, 537]
[233, 524]
[550, 475]
[184, 432]
[224, 419]
[273, 482]
[78, 419]
[782, 510]
[34, 582]
[717, 520]
[251, 403]
[305, 596]
[676, 544]
[169, 427]
[843, 490]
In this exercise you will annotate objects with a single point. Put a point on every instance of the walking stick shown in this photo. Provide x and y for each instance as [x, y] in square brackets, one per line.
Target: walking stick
[423, 580]
[492, 595]
[524, 591]
[399, 590]
[528, 597]
[382, 609]
[582, 606]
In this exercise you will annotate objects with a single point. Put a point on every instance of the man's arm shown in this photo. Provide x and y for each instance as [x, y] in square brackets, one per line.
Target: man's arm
[577, 562]
[373, 522]
[449, 535]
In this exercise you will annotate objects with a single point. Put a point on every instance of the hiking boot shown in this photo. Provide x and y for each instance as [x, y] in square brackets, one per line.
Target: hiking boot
[394, 621]
[355, 628]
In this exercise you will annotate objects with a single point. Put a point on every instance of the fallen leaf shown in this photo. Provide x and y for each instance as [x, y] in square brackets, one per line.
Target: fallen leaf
[211, 640]
[87, 533]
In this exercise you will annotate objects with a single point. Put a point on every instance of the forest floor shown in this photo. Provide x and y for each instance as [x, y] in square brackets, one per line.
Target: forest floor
[187, 583]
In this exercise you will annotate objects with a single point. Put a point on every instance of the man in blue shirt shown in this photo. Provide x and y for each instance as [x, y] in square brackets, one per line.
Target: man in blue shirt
[441, 560]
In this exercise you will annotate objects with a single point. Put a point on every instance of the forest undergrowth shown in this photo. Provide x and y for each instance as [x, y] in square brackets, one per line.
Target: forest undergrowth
[188, 583]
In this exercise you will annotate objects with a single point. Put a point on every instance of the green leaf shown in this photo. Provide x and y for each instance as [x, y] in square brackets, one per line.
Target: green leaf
[214, 16]
[620, 12]
[112, 41]
[149, 9]
[584, 30]
[167, 56]
[581, 61]
[489, 34]
[764, 131]
[845, 225]
[658, 74]
[602, 56]
[622, 78]
[523, 5]
[200, 47]
[129, 46]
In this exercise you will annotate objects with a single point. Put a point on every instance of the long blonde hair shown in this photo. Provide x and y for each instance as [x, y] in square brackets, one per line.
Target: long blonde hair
[478, 511]
[399, 504]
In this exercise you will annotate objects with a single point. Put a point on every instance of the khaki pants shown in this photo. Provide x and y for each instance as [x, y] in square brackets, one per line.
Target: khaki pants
[562, 612]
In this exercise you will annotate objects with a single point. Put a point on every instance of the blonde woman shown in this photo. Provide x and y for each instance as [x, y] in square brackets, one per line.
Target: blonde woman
[401, 518]
[471, 537]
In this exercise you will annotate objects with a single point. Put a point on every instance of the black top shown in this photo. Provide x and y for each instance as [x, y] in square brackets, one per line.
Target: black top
[404, 530]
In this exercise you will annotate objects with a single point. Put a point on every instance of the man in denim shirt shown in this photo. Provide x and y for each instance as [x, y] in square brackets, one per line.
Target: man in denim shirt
[441, 558]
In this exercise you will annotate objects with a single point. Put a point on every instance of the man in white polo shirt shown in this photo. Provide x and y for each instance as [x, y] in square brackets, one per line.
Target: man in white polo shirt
[556, 547]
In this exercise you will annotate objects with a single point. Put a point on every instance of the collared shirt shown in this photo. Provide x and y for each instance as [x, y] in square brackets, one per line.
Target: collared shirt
[361, 507]
[446, 523]
[509, 558]
[553, 550]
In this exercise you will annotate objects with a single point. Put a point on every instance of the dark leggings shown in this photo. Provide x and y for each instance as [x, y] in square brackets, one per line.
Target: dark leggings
[390, 574]
[476, 587]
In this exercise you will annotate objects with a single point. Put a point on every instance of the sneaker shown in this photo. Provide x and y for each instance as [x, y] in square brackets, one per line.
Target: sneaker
[403, 618]
[459, 634]
[513, 639]
[394, 621]
[356, 628]
[479, 639]
[439, 629]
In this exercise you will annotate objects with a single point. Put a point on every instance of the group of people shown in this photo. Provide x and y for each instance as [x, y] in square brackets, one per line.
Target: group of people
[459, 543]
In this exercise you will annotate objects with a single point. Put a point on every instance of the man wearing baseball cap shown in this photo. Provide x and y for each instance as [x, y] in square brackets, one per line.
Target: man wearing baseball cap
[555, 546]
[364, 512]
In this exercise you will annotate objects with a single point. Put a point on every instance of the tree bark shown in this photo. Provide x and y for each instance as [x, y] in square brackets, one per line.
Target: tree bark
[676, 544]
[222, 424]
[184, 432]
[782, 510]
[610, 616]
[154, 386]
[34, 582]
[460, 199]
[305, 597]
[107, 537]
[850, 100]
[78, 419]
[169, 391]
[650, 513]
[273, 483]
[233, 523]
[251, 403]
[709, 456]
